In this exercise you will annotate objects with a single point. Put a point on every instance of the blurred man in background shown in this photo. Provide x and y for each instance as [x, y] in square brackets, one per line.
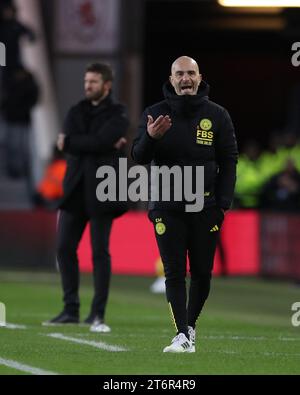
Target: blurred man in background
[282, 191]
[11, 33]
[186, 129]
[18, 100]
[93, 136]
[19, 93]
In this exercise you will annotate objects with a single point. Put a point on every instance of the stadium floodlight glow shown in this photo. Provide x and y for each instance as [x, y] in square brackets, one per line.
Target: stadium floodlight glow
[259, 3]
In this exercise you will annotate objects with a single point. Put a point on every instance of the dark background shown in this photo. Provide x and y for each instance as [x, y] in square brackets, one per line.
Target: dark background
[245, 57]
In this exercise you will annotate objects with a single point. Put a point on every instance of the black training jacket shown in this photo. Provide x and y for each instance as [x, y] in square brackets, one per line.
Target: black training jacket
[202, 134]
[91, 132]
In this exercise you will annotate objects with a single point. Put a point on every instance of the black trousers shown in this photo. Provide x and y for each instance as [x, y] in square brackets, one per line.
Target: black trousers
[70, 228]
[179, 234]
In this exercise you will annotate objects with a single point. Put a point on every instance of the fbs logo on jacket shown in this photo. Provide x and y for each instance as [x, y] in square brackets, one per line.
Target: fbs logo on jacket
[160, 227]
[206, 124]
[205, 135]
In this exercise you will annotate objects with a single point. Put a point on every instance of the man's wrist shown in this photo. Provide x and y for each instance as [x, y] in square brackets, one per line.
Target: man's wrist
[151, 137]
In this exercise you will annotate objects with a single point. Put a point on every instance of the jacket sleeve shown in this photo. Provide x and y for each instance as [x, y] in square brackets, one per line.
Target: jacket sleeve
[143, 147]
[227, 157]
[101, 142]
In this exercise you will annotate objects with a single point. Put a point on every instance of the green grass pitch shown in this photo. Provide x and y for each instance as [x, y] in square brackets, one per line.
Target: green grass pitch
[245, 328]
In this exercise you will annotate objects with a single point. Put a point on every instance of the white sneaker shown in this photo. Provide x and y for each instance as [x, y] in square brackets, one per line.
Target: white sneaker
[100, 327]
[159, 286]
[192, 335]
[180, 343]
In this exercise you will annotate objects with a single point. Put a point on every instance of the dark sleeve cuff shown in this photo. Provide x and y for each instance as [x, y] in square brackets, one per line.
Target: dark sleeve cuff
[66, 144]
[150, 138]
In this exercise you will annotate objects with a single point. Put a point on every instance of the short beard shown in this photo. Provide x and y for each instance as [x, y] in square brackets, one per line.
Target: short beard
[96, 96]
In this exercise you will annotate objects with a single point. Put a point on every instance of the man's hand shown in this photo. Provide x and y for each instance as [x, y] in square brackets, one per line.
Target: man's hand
[120, 143]
[60, 141]
[158, 128]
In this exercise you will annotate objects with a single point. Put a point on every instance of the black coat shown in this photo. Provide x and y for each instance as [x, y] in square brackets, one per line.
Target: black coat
[20, 97]
[91, 132]
[192, 141]
[11, 33]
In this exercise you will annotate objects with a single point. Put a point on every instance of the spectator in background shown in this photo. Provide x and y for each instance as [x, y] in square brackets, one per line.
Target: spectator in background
[11, 32]
[50, 189]
[248, 177]
[290, 140]
[282, 191]
[16, 106]
[275, 142]
[282, 145]
[93, 136]
[4, 4]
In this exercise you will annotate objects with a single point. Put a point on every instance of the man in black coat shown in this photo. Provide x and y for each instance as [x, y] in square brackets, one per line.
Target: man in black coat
[16, 104]
[187, 129]
[93, 136]
[11, 33]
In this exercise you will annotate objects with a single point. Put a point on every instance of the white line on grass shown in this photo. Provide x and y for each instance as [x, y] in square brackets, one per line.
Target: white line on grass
[14, 326]
[289, 339]
[26, 368]
[100, 345]
[221, 337]
[254, 338]
[255, 354]
[209, 337]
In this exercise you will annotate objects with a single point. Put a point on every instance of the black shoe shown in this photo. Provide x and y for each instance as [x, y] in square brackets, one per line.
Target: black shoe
[63, 318]
[91, 318]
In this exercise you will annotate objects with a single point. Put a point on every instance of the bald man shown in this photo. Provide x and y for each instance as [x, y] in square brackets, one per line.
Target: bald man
[187, 129]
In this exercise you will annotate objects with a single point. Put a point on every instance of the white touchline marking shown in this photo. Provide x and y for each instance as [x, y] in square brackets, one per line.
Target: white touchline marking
[254, 338]
[285, 354]
[289, 339]
[266, 354]
[14, 326]
[100, 345]
[210, 337]
[26, 368]
[221, 337]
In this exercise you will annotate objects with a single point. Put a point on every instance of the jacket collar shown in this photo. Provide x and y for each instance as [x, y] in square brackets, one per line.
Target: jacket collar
[107, 102]
[186, 104]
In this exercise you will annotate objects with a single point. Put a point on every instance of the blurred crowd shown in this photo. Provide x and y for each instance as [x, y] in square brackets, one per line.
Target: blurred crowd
[266, 179]
[270, 179]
